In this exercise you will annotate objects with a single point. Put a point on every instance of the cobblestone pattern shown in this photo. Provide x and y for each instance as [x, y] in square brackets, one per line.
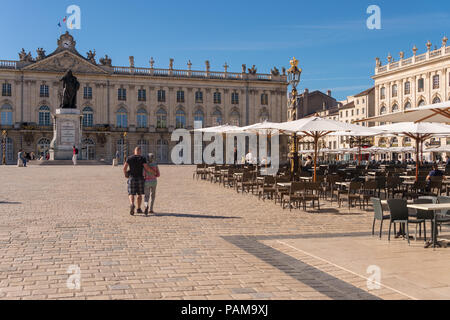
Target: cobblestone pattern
[54, 217]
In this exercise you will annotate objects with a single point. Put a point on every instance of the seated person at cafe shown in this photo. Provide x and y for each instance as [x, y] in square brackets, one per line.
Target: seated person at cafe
[434, 173]
[447, 161]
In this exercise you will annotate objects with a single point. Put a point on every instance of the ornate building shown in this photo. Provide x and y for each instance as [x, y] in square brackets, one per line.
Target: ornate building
[421, 79]
[124, 107]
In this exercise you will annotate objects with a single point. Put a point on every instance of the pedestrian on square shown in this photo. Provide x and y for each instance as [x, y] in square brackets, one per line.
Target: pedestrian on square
[20, 160]
[136, 183]
[75, 155]
[151, 182]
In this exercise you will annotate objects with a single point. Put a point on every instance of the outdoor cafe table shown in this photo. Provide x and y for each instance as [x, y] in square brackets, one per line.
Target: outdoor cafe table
[432, 207]
[343, 183]
[284, 184]
[408, 177]
[428, 207]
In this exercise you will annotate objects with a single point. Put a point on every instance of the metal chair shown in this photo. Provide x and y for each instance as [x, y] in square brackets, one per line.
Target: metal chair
[294, 195]
[399, 214]
[378, 214]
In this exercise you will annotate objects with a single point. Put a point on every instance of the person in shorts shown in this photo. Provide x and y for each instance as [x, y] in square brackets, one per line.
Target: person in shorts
[150, 183]
[136, 163]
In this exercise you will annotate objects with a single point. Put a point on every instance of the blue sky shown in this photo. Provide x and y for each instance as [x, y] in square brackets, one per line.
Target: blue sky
[330, 38]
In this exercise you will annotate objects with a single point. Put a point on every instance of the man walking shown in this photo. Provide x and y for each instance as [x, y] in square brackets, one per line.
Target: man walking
[75, 155]
[136, 183]
[151, 183]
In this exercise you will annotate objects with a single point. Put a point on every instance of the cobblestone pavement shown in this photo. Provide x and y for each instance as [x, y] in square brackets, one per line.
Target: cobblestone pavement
[205, 242]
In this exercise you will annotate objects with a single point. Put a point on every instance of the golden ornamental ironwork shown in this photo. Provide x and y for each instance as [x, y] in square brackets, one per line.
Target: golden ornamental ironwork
[294, 66]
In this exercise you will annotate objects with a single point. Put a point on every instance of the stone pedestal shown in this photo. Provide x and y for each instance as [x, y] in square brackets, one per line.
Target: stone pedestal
[66, 134]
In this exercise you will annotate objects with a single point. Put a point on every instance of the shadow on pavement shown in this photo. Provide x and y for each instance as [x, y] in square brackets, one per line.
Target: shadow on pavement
[181, 215]
[8, 202]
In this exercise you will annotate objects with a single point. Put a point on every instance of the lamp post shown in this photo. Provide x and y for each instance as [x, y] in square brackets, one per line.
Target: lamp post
[125, 147]
[4, 135]
[293, 77]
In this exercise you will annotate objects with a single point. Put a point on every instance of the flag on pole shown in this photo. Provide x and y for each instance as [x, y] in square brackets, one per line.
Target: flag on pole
[64, 19]
[59, 24]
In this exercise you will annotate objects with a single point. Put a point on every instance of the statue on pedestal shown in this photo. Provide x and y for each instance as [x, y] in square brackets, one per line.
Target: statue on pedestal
[70, 89]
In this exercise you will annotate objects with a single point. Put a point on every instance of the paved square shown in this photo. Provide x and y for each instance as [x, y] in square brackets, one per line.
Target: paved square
[205, 242]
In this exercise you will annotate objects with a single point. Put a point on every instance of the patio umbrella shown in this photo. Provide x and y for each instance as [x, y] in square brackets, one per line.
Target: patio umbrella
[439, 149]
[317, 128]
[438, 112]
[219, 129]
[417, 131]
[265, 127]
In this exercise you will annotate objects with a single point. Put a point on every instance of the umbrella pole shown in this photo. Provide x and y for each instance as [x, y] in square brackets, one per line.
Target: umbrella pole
[316, 142]
[417, 158]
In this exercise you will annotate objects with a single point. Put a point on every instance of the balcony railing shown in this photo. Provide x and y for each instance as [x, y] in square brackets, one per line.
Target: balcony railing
[7, 64]
[430, 55]
[195, 74]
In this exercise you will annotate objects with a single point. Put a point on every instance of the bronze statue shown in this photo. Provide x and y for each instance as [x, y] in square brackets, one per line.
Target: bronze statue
[70, 89]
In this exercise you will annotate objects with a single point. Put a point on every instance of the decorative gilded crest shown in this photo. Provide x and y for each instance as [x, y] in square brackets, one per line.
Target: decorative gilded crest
[294, 66]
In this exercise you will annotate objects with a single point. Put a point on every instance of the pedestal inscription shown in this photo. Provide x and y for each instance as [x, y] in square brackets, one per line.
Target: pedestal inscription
[66, 134]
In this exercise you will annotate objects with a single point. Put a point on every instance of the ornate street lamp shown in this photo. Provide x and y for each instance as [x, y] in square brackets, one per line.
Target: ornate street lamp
[293, 77]
[4, 135]
[125, 147]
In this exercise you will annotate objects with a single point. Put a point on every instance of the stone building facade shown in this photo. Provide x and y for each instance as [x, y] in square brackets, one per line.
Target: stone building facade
[124, 107]
[421, 79]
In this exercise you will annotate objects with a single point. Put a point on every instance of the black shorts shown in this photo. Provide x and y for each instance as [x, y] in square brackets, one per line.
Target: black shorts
[136, 186]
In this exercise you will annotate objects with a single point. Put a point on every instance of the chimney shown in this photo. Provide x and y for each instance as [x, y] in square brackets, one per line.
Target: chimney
[329, 93]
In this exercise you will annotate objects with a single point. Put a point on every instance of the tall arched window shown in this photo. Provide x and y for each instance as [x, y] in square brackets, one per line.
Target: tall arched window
[436, 100]
[394, 142]
[162, 151]
[407, 87]
[180, 119]
[395, 108]
[122, 118]
[88, 149]
[161, 118]
[217, 98]
[436, 81]
[142, 118]
[122, 149]
[264, 116]
[421, 103]
[383, 110]
[235, 118]
[217, 118]
[143, 144]
[407, 106]
[6, 115]
[394, 90]
[43, 147]
[407, 142]
[44, 116]
[382, 93]
[199, 97]
[199, 116]
[88, 117]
